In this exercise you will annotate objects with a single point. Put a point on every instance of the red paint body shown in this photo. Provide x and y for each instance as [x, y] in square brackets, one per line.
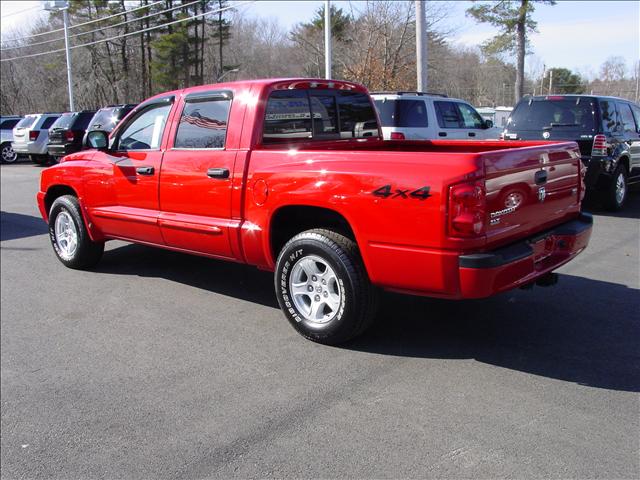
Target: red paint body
[406, 243]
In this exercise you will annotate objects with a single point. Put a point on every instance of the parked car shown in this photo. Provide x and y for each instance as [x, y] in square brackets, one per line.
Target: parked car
[607, 130]
[7, 122]
[286, 180]
[31, 135]
[428, 116]
[67, 133]
[107, 118]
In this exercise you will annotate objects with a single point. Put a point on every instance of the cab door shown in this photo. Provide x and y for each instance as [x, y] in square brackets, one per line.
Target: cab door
[450, 122]
[129, 176]
[196, 180]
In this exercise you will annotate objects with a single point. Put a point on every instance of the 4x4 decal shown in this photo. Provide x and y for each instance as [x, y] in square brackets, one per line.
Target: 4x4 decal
[387, 191]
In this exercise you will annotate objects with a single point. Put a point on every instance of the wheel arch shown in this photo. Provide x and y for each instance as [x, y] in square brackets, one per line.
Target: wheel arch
[58, 190]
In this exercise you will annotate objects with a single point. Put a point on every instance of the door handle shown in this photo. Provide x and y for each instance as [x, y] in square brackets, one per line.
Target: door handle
[442, 134]
[218, 173]
[472, 134]
[541, 177]
[145, 170]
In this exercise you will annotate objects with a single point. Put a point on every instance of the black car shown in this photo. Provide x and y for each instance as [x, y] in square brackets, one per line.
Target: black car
[607, 130]
[67, 132]
[108, 117]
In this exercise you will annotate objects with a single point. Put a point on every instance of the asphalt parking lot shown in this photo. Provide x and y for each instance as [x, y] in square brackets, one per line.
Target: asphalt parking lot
[162, 365]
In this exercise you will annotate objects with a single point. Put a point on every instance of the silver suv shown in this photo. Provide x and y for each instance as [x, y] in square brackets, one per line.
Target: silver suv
[31, 135]
[429, 116]
[7, 155]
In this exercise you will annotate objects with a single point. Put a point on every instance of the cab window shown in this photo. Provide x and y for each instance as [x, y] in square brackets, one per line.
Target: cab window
[203, 123]
[144, 132]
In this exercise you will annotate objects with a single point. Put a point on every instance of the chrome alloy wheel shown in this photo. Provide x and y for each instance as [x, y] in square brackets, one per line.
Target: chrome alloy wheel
[7, 154]
[315, 290]
[621, 188]
[66, 235]
[513, 200]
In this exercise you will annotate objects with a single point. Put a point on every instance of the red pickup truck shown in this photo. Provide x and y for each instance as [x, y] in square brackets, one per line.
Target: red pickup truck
[293, 176]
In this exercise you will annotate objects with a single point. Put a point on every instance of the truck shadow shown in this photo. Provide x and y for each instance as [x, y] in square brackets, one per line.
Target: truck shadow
[16, 225]
[583, 331]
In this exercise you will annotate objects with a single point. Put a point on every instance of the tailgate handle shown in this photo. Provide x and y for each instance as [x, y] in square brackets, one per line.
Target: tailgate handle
[541, 177]
[442, 134]
[218, 173]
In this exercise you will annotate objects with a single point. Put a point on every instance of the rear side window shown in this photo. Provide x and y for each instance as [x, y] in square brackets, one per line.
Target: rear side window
[566, 113]
[82, 120]
[448, 115]
[9, 124]
[203, 124]
[608, 115]
[626, 117]
[321, 114]
[636, 113]
[402, 113]
[470, 118]
[26, 122]
[48, 122]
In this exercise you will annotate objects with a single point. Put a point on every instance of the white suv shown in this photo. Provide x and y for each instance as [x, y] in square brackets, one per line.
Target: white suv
[429, 116]
[31, 134]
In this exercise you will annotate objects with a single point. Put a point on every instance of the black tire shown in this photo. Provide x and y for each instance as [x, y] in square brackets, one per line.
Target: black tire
[7, 155]
[87, 252]
[358, 298]
[611, 200]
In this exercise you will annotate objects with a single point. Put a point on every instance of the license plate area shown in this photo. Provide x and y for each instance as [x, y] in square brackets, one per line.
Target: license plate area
[543, 248]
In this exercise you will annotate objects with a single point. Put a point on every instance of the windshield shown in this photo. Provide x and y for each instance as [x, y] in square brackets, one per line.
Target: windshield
[64, 122]
[563, 114]
[26, 122]
[402, 113]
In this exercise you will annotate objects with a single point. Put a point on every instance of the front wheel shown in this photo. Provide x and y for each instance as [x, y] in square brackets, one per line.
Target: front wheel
[69, 237]
[323, 288]
[616, 192]
[7, 155]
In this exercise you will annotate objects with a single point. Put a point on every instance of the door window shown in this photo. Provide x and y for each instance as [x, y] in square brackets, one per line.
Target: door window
[470, 118]
[626, 117]
[203, 124]
[448, 115]
[636, 113]
[145, 130]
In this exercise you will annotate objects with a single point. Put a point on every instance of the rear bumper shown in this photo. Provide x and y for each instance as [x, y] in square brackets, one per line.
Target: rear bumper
[31, 148]
[485, 274]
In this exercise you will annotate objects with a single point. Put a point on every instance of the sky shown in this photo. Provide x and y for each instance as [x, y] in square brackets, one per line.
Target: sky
[579, 35]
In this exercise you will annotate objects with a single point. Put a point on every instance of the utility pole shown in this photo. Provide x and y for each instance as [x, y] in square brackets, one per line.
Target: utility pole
[421, 46]
[327, 39]
[63, 6]
[550, 81]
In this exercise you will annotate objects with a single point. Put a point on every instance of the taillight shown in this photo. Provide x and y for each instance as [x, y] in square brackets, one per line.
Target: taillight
[397, 136]
[467, 215]
[600, 146]
[33, 135]
[68, 136]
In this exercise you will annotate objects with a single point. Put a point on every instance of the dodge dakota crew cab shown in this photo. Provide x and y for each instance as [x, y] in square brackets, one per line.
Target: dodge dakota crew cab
[293, 176]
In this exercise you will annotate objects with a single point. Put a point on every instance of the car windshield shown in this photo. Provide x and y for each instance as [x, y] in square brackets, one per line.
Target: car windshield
[65, 121]
[402, 113]
[565, 113]
[26, 122]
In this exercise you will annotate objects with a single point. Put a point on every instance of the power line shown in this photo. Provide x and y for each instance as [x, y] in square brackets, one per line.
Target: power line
[85, 23]
[128, 34]
[21, 11]
[102, 28]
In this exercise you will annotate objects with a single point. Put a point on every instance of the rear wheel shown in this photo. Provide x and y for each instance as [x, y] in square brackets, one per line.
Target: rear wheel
[7, 155]
[616, 192]
[323, 288]
[69, 236]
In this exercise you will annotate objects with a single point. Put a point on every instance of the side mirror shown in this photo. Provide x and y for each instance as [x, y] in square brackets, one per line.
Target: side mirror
[488, 124]
[97, 139]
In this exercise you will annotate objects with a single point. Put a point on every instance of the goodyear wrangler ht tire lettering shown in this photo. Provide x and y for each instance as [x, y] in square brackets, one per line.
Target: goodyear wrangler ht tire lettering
[69, 237]
[323, 288]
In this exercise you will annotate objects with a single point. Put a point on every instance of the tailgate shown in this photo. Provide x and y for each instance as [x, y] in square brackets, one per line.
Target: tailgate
[531, 189]
[20, 135]
[56, 135]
